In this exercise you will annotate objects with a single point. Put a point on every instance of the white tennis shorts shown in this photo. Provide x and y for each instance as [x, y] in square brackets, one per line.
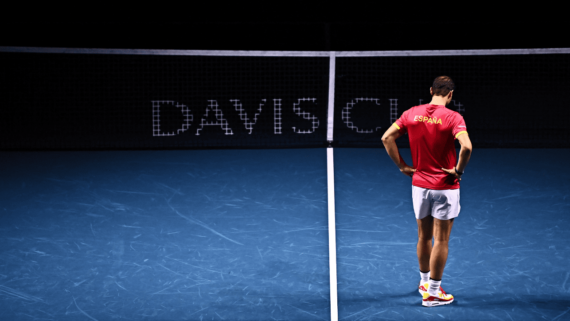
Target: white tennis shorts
[441, 204]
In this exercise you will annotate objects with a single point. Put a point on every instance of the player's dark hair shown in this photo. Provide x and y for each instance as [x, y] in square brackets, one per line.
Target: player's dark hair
[442, 85]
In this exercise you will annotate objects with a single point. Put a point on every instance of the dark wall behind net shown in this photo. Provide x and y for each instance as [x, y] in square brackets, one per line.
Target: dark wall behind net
[72, 101]
[507, 101]
[67, 101]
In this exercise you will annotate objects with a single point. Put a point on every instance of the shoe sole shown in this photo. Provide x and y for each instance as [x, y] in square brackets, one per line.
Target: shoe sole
[432, 304]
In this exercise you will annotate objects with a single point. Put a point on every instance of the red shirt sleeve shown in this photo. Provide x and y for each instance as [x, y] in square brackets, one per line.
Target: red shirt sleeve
[401, 122]
[458, 125]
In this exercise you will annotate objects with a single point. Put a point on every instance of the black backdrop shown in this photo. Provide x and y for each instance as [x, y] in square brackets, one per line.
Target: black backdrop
[348, 27]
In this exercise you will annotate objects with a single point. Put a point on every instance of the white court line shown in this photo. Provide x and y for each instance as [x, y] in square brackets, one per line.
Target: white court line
[259, 53]
[332, 235]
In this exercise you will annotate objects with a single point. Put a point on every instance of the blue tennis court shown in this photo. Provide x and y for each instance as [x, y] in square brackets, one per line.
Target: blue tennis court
[243, 235]
[164, 235]
[509, 250]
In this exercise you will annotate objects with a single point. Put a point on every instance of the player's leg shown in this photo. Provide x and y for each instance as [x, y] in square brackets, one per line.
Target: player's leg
[422, 209]
[442, 231]
[434, 294]
[445, 209]
[424, 247]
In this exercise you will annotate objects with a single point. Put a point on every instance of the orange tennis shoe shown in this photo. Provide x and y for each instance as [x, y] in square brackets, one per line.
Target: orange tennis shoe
[441, 298]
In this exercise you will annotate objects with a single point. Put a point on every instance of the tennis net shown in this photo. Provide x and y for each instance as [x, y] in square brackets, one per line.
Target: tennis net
[55, 98]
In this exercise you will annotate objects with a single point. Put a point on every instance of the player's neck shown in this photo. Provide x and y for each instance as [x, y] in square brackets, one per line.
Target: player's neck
[438, 100]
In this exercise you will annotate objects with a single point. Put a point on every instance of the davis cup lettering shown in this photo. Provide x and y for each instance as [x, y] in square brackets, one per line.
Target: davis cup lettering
[188, 117]
[214, 116]
[243, 114]
[347, 113]
[220, 120]
[314, 120]
[459, 107]
[393, 110]
[277, 116]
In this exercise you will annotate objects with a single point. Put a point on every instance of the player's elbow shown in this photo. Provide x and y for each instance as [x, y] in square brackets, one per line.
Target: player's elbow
[386, 139]
[468, 146]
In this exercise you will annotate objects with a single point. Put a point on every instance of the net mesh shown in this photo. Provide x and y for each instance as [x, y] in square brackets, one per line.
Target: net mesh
[111, 101]
[506, 100]
[66, 101]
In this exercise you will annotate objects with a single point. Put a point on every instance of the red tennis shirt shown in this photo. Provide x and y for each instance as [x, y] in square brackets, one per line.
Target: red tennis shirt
[432, 130]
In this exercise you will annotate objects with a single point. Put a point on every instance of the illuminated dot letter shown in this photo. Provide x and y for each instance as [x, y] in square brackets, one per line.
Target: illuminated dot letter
[277, 116]
[188, 117]
[243, 114]
[393, 110]
[346, 115]
[314, 120]
[220, 120]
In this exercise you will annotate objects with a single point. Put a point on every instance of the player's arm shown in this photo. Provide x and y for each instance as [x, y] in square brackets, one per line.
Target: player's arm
[464, 155]
[465, 152]
[389, 141]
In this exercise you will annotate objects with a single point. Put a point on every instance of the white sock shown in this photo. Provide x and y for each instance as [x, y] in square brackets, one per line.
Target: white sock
[433, 287]
[424, 276]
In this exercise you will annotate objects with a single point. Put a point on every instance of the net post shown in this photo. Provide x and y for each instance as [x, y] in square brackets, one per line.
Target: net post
[330, 116]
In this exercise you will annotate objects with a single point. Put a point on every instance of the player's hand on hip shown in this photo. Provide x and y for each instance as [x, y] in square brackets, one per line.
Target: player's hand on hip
[452, 172]
[407, 170]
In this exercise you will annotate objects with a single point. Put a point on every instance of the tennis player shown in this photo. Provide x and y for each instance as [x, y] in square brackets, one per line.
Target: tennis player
[435, 173]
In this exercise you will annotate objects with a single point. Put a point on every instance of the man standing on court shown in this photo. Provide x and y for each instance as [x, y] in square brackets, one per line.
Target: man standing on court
[432, 129]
